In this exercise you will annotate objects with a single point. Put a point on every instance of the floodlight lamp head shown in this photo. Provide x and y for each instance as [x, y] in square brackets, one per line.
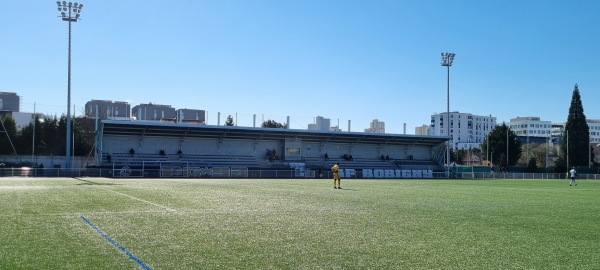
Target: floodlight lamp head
[70, 4]
[447, 59]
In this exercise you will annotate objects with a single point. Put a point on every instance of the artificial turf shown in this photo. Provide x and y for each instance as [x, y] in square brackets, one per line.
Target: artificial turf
[298, 224]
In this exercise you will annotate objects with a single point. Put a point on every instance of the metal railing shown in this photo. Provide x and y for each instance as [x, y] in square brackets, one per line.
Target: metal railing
[39, 172]
[559, 176]
[263, 174]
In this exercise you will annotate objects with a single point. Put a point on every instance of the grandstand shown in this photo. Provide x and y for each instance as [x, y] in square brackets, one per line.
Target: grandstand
[155, 149]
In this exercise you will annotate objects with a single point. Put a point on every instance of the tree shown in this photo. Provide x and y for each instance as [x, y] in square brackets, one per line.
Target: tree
[83, 136]
[458, 155]
[465, 156]
[502, 161]
[475, 152]
[8, 135]
[539, 151]
[272, 124]
[50, 135]
[577, 134]
[532, 165]
[229, 121]
[44, 142]
[497, 140]
[55, 130]
[25, 139]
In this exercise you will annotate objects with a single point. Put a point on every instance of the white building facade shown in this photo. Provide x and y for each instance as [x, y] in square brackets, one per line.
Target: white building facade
[376, 126]
[422, 130]
[530, 126]
[594, 125]
[466, 130]
[534, 127]
[321, 123]
[324, 124]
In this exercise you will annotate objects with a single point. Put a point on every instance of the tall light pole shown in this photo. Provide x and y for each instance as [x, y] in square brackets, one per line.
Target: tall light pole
[488, 150]
[547, 151]
[568, 150]
[447, 59]
[594, 151]
[70, 13]
[507, 129]
[589, 151]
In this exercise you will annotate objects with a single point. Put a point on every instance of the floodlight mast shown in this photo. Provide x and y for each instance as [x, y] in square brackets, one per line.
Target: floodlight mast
[74, 11]
[447, 59]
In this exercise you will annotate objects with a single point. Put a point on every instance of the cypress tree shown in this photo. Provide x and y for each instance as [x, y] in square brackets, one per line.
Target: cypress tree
[578, 133]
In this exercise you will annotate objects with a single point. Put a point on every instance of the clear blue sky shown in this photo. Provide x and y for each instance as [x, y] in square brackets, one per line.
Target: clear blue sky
[340, 59]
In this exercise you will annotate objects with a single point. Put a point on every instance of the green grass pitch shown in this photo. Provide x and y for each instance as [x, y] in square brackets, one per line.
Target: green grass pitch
[298, 224]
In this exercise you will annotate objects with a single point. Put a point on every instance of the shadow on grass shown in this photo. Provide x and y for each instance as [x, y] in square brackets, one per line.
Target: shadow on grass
[91, 183]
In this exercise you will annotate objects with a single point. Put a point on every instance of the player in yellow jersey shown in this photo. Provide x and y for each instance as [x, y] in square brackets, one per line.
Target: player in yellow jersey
[336, 176]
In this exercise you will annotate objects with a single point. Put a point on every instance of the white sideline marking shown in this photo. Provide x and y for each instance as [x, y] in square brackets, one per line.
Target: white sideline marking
[129, 196]
[141, 200]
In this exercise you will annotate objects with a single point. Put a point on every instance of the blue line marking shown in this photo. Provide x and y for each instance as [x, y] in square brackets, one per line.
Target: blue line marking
[133, 257]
